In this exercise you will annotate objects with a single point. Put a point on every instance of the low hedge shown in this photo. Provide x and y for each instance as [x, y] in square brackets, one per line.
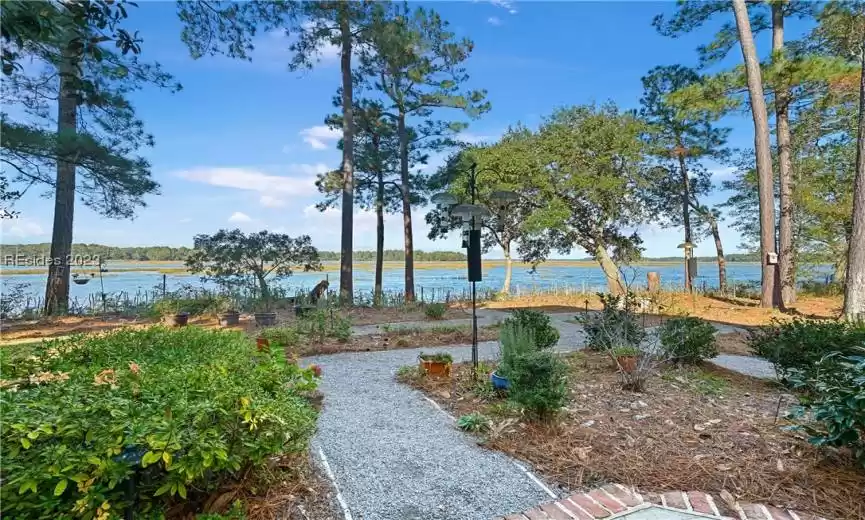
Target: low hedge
[180, 410]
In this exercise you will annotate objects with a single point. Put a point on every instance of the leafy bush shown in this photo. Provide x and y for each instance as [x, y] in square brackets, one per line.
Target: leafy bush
[688, 339]
[833, 390]
[616, 325]
[473, 422]
[183, 408]
[325, 323]
[538, 382]
[282, 336]
[514, 341]
[799, 344]
[435, 311]
[625, 351]
[543, 331]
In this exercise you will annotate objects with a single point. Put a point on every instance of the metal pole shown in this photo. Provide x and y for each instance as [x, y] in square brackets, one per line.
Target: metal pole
[473, 188]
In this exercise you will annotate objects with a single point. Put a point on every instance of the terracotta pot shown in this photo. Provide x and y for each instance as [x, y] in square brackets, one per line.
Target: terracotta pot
[229, 319]
[436, 368]
[628, 363]
[263, 344]
[178, 320]
[265, 319]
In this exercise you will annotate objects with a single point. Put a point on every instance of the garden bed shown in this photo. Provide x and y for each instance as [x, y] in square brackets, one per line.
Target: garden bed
[694, 428]
[398, 338]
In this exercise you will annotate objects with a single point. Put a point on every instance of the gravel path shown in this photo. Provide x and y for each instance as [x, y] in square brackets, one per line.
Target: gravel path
[394, 456]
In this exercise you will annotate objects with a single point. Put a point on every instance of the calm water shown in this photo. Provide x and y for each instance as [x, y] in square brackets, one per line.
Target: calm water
[433, 283]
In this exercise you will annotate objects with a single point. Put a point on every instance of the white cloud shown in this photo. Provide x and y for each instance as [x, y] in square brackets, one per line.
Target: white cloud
[723, 173]
[301, 183]
[494, 20]
[238, 217]
[185, 220]
[506, 5]
[21, 228]
[470, 138]
[319, 136]
[269, 201]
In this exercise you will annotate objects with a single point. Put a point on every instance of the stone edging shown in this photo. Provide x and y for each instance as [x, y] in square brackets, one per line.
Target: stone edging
[615, 501]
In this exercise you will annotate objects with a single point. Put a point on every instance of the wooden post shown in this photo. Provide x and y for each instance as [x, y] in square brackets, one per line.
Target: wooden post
[653, 279]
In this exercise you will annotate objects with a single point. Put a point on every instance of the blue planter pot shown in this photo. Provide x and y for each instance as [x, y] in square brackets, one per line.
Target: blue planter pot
[499, 382]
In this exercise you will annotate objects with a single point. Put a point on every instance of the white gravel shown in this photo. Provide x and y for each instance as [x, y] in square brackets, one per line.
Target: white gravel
[394, 456]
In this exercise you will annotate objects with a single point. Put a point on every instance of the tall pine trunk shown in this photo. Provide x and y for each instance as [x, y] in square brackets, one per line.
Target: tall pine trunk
[768, 298]
[719, 249]
[506, 286]
[406, 207]
[379, 238]
[786, 252]
[57, 288]
[615, 284]
[686, 219]
[346, 288]
[854, 291]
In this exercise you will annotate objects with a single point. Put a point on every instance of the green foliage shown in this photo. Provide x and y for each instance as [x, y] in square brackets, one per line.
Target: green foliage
[435, 311]
[625, 351]
[197, 406]
[514, 341]
[325, 323]
[615, 326]
[196, 303]
[408, 373]
[834, 394]
[474, 422]
[800, 343]
[235, 259]
[538, 324]
[688, 339]
[237, 512]
[281, 336]
[438, 357]
[538, 383]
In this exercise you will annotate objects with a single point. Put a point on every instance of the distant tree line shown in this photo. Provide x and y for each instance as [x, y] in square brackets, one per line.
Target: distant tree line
[165, 253]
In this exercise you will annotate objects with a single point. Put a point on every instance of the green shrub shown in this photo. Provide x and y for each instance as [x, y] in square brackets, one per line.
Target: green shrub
[435, 311]
[538, 383]
[802, 343]
[514, 340]
[325, 323]
[473, 422]
[184, 408]
[688, 339]
[282, 336]
[627, 351]
[616, 325]
[833, 390]
[543, 331]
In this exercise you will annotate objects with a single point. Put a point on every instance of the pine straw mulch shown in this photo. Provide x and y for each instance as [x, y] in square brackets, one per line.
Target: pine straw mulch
[693, 429]
[289, 488]
[396, 339]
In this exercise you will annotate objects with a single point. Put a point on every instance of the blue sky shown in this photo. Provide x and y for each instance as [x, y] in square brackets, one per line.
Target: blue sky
[240, 144]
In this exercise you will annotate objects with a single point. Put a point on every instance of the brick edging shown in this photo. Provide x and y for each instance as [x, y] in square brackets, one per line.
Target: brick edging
[615, 500]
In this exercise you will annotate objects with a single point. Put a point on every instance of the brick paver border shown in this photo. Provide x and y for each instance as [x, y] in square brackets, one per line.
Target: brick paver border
[615, 500]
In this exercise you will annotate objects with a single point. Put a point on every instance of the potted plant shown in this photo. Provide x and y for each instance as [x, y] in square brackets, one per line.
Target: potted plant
[626, 358]
[499, 382]
[227, 313]
[169, 309]
[438, 364]
[264, 317]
